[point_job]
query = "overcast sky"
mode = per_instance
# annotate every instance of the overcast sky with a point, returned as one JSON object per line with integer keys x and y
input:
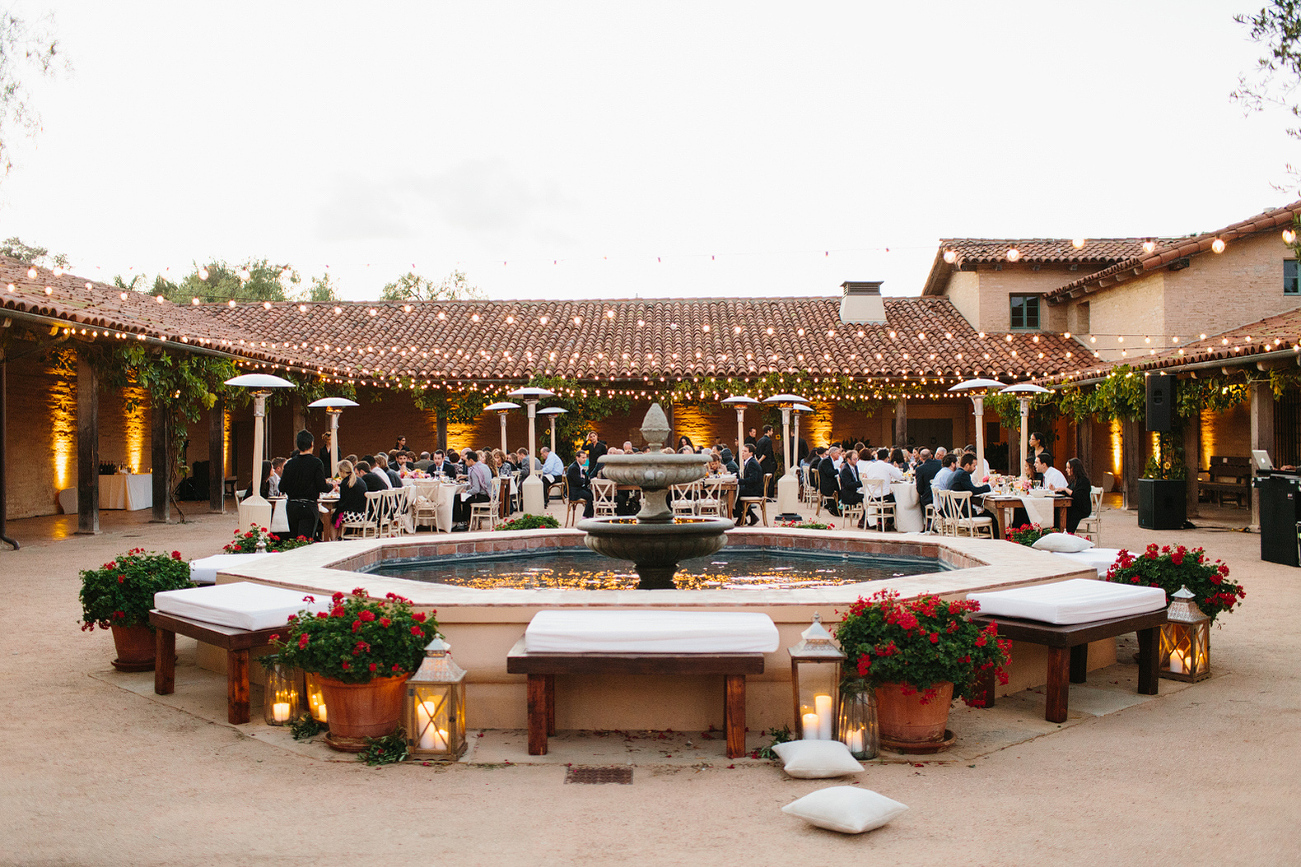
{"x": 614, "y": 149}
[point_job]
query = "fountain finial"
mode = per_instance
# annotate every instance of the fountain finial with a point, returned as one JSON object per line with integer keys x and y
{"x": 655, "y": 428}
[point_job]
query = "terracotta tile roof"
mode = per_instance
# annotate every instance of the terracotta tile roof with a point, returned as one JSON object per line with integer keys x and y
{"x": 1171, "y": 250}
{"x": 646, "y": 339}
{"x": 73, "y": 301}
{"x": 1096, "y": 253}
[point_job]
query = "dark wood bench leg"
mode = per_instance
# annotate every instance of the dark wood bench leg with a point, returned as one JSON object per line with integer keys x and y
{"x": 985, "y": 687}
{"x": 734, "y": 715}
{"x": 237, "y": 686}
{"x": 1059, "y": 690}
{"x": 1079, "y": 663}
{"x": 164, "y": 661}
{"x": 1147, "y": 661}
{"x": 537, "y": 689}
{"x": 551, "y": 703}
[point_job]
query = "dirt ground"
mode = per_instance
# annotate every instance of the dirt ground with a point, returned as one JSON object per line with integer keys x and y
{"x": 91, "y": 773}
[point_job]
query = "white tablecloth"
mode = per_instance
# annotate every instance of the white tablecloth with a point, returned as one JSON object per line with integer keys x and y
{"x": 907, "y": 510}
{"x": 279, "y": 515}
{"x": 442, "y": 495}
{"x": 132, "y": 492}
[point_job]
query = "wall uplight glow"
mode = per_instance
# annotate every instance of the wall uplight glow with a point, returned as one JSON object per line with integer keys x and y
{"x": 63, "y": 428}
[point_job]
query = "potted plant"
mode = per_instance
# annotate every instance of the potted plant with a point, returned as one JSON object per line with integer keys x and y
{"x": 119, "y": 595}
{"x": 1028, "y": 534}
{"x": 362, "y": 651}
{"x": 1162, "y": 492}
{"x": 247, "y": 542}
{"x": 917, "y": 654}
{"x": 1171, "y": 569}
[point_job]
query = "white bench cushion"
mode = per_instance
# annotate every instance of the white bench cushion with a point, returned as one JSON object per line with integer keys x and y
{"x": 1080, "y": 600}
{"x": 205, "y": 571}
{"x": 1099, "y": 558}
{"x": 242, "y": 605}
{"x": 654, "y": 631}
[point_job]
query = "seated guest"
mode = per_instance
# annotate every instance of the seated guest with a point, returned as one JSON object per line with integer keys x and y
{"x": 374, "y": 481}
{"x": 884, "y": 469}
{"x": 382, "y": 468}
{"x": 729, "y": 463}
{"x": 552, "y": 470}
{"x": 927, "y": 467}
{"x": 828, "y": 470}
{"x": 1053, "y": 478}
{"x": 749, "y": 484}
{"x": 478, "y": 491}
{"x": 266, "y": 482}
{"x": 352, "y": 500}
{"x": 962, "y": 481}
{"x": 424, "y": 463}
{"x": 982, "y": 466}
{"x": 948, "y": 465}
{"x": 523, "y": 463}
{"x": 577, "y": 480}
{"x": 1081, "y": 494}
{"x": 851, "y": 485}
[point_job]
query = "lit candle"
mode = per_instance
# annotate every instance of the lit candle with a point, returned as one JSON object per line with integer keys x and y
{"x": 855, "y": 741}
{"x": 321, "y": 715}
{"x": 431, "y": 737}
{"x": 1176, "y": 663}
{"x": 822, "y": 705}
{"x": 280, "y": 710}
{"x": 810, "y": 727}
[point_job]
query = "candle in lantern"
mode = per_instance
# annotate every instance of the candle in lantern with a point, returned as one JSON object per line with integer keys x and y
{"x": 280, "y": 711}
{"x": 810, "y": 727}
{"x": 1176, "y": 663}
{"x": 321, "y": 715}
{"x": 431, "y": 737}
{"x": 822, "y": 706}
{"x": 855, "y": 741}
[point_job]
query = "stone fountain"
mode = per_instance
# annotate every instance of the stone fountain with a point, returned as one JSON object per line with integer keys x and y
{"x": 655, "y": 541}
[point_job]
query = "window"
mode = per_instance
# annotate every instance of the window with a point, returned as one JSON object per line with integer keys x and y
{"x": 1025, "y": 312}
{"x": 1291, "y": 286}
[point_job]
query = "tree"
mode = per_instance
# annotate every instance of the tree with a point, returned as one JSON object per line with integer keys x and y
{"x": 1277, "y": 27}
{"x": 24, "y": 47}
{"x": 322, "y": 289}
{"x": 412, "y": 287}
{"x": 14, "y": 248}
{"x": 255, "y": 280}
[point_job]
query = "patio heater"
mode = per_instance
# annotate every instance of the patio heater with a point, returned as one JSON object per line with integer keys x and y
{"x": 533, "y": 484}
{"x": 975, "y": 389}
{"x": 1025, "y": 392}
{"x": 553, "y": 412}
{"x": 254, "y": 509}
{"x": 333, "y": 406}
{"x": 501, "y": 408}
{"x": 788, "y": 488}
{"x": 740, "y": 401}
{"x": 799, "y": 409}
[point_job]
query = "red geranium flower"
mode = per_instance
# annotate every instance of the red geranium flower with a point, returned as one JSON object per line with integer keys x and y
{"x": 367, "y": 616}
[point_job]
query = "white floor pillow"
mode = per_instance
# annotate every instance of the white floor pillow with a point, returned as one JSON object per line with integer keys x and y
{"x": 817, "y": 760}
{"x": 1062, "y": 543}
{"x": 845, "y": 809}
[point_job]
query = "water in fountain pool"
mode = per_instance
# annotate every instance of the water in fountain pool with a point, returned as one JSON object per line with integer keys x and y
{"x": 731, "y": 570}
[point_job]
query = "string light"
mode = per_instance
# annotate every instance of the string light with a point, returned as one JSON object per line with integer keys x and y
{"x": 1218, "y": 245}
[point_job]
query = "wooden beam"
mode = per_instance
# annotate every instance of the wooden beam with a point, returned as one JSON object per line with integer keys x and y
{"x": 87, "y": 447}
{"x": 159, "y": 434}
{"x": 217, "y": 457}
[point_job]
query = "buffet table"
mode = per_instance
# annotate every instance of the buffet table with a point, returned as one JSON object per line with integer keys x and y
{"x": 129, "y": 491}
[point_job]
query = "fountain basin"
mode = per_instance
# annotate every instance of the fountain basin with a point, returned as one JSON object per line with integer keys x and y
{"x": 655, "y": 548}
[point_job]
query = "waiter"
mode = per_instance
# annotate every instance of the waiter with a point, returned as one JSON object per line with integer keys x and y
{"x": 302, "y": 481}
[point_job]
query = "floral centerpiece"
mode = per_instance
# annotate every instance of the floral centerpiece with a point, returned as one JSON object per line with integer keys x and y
{"x": 919, "y": 652}
{"x": 247, "y": 542}
{"x": 1167, "y": 568}
{"x": 119, "y": 596}
{"x": 363, "y": 650}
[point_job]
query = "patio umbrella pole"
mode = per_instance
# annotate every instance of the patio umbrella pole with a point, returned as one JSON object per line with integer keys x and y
{"x": 4, "y": 427}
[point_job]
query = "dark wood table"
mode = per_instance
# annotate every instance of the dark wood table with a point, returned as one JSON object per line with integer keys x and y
{"x": 1002, "y": 507}
{"x": 543, "y": 668}
{"x": 236, "y": 642}
{"x": 1068, "y": 652}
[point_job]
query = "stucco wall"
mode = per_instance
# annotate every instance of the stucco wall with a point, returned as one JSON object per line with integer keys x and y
{"x": 1218, "y": 292}
{"x": 1134, "y": 309}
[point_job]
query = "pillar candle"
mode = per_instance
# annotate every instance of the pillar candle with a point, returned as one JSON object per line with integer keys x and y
{"x": 810, "y": 727}
{"x": 855, "y": 741}
{"x": 1176, "y": 663}
{"x": 431, "y": 737}
{"x": 822, "y": 705}
{"x": 320, "y": 712}
{"x": 280, "y": 710}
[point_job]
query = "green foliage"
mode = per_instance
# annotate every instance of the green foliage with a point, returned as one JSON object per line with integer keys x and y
{"x": 1168, "y": 462}
{"x": 1276, "y": 27}
{"x": 246, "y": 542}
{"x": 1074, "y": 402}
{"x": 386, "y": 750}
{"x": 1170, "y": 569}
{"x": 412, "y": 287}
{"x": 322, "y": 289}
{"x": 920, "y": 643}
{"x": 779, "y": 736}
{"x": 1214, "y": 394}
{"x": 1027, "y": 534}
{"x": 121, "y": 592}
{"x": 358, "y": 640}
{"x": 30, "y": 254}
{"x": 530, "y": 522}
{"x": 1280, "y": 382}
{"x": 585, "y": 408}
{"x": 1121, "y": 395}
{"x": 804, "y": 525}
{"x": 254, "y": 280}
{"x": 306, "y": 727}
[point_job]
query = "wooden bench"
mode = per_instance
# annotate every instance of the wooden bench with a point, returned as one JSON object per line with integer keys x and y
{"x": 543, "y": 668}
{"x": 1228, "y": 476}
{"x": 236, "y": 642}
{"x": 1068, "y": 652}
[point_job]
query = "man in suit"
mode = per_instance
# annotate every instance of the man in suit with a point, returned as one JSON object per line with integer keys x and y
{"x": 851, "y": 485}
{"x": 961, "y": 481}
{"x": 763, "y": 451}
{"x": 828, "y": 469}
{"x": 750, "y": 484}
{"x": 925, "y": 472}
{"x": 424, "y": 463}
{"x": 576, "y": 476}
{"x": 373, "y": 480}
{"x": 750, "y": 438}
{"x": 596, "y": 449}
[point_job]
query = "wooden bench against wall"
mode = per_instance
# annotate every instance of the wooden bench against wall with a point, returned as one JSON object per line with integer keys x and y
{"x": 1227, "y": 476}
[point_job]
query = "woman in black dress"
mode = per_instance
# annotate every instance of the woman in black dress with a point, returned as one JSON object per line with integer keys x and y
{"x": 352, "y": 499}
{"x": 1081, "y": 494}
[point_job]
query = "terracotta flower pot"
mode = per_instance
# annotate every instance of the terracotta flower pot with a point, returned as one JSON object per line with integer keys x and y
{"x": 905, "y": 720}
{"x": 135, "y": 648}
{"x": 362, "y": 710}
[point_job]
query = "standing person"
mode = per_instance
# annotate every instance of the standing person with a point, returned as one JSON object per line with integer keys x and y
{"x": 750, "y": 438}
{"x": 1081, "y": 494}
{"x": 577, "y": 478}
{"x": 926, "y": 471}
{"x": 552, "y": 469}
{"x": 401, "y": 444}
{"x": 324, "y": 453}
{"x": 685, "y": 440}
{"x": 596, "y": 449}
{"x": 750, "y": 484}
{"x": 302, "y": 482}
{"x": 764, "y": 452}
{"x": 478, "y": 491}
{"x": 1036, "y": 442}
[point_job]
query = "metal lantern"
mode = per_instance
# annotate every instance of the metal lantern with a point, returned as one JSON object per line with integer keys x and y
{"x": 1185, "y": 640}
{"x": 435, "y": 708}
{"x": 856, "y": 725}
{"x": 280, "y": 706}
{"x": 316, "y": 699}
{"x": 815, "y": 682}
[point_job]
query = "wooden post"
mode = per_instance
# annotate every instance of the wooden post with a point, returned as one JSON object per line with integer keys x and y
{"x": 217, "y": 457}
{"x": 159, "y": 435}
{"x": 1192, "y": 462}
{"x": 1131, "y": 460}
{"x": 1084, "y": 448}
{"x": 87, "y": 447}
{"x": 4, "y": 429}
{"x": 901, "y": 422}
{"x": 1262, "y": 436}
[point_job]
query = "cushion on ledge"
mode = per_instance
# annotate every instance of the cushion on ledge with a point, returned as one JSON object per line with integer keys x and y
{"x": 204, "y": 571}
{"x": 1062, "y": 543}
{"x": 1099, "y": 558}
{"x": 816, "y": 760}
{"x": 242, "y": 605}
{"x": 653, "y": 631}
{"x": 1080, "y": 600}
{"x": 845, "y": 809}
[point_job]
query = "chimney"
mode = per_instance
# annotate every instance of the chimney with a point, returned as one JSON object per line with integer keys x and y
{"x": 862, "y": 303}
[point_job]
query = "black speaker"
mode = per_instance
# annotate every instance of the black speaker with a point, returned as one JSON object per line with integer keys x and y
{"x": 1160, "y": 403}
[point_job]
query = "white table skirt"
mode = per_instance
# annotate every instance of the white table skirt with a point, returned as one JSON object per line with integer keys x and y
{"x": 279, "y": 514}
{"x": 132, "y": 492}
{"x": 907, "y": 509}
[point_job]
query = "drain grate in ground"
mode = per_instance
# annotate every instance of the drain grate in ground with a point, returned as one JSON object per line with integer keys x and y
{"x": 621, "y": 775}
